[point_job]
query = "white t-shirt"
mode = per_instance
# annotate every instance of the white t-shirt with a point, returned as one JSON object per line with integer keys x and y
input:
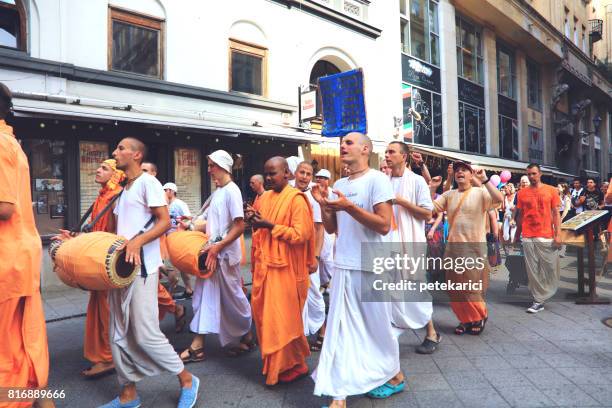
{"x": 133, "y": 211}
{"x": 225, "y": 207}
{"x": 316, "y": 208}
{"x": 177, "y": 208}
{"x": 419, "y": 195}
{"x": 366, "y": 191}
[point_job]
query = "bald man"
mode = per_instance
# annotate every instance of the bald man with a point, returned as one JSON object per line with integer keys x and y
{"x": 138, "y": 346}
{"x": 360, "y": 353}
{"x": 257, "y": 185}
{"x": 284, "y": 252}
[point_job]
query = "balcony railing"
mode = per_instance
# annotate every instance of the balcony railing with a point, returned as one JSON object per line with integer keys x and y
{"x": 596, "y": 30}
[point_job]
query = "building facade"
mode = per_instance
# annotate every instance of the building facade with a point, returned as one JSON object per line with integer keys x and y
{"x": 512, "y": 79}
{"x": 186, "y": 77}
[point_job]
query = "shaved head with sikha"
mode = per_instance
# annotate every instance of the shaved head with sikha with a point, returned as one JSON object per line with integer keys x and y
{"x": 276, "y": 173}
{"x": 355, "y": 150}
{"x": 137, "y": 146}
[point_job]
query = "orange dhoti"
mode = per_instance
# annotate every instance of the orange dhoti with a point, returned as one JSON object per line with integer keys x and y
{"x": 469, "y": 305}
{"x": 280, "y": 281}
{"x": 164, "y": 301}
{"x": 97, "y": 343}
{"x": 24, "y": 357}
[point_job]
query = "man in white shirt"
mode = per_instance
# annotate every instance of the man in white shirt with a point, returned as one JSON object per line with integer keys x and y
{"x": 313, "y": 313}
{"x": 139, "y": 347}
{"x": 220, "y": 305}
{"x": 326, "y": 261}
{"x": 176, "y": 207}
{"x": 360, "y": 353}
{"x": 412, "y": 207}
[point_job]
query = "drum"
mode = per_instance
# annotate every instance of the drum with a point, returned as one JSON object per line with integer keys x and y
{"x": 92, "y": 261}
{"x": 184, "y": 249}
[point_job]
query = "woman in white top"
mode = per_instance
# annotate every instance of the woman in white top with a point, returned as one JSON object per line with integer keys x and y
{"x": 509, "y": 226}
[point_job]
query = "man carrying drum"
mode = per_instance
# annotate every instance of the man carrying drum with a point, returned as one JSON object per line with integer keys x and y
{"x": 219, "y": 304}
{"x": 139, "y": 347}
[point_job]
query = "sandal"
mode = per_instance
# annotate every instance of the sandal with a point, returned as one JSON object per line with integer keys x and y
{"x": 86, "y": 373}
{"x": 244, "y": 347}
{"x": 386, "y": 390}
{"x": 317, "y": 345}
{"x": 476, "y": 328}
{"x": 181, "y": 320}
{"x": 193, "y": 356}
{"x": 462, "y": 328}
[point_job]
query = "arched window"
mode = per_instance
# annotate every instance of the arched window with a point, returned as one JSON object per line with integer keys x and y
{"x": 320, "y": 69}
{"x": 12, "y": 24}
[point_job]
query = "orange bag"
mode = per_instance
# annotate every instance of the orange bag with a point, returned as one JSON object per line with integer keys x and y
{"x": 92, "y": 262}
{"x": 184, "y": 249}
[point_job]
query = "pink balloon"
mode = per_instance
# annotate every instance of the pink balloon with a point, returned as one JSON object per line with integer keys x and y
{"x": 505, "y": 176}
{"x": 494, "y": 180}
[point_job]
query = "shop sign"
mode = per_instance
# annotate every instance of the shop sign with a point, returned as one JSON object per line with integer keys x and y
{"x": 421, "y": 74}
{"x": 471, "y": 93}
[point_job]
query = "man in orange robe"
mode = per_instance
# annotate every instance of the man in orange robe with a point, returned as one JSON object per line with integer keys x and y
{"x": 24, "y": 355}
{"x": 96, "y": 343}
{"x": 284, "y": 250}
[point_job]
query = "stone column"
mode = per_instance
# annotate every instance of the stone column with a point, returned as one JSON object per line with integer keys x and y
{"x": 490, "y": 89}
{"x": 448, "y": 72}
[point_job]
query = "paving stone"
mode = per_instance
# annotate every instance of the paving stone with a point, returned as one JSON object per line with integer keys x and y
{"x": 601, "y": 393}
{"x": 570, "y": 395}
{"x": 446, "y": 399}
{"x": 545, "y": 377}
{"x": 526, "y": 361}
{"x": 482, "y": 398}
{"x": 449, "y": 364}
{"x": 584, "y": 375}
{"x": 505, "y": 378}
{"x": 427, "y": 382}
{"x": 491, "y": 362}
{"x": 524, "y": 397}
{"x": 466, "y": 380}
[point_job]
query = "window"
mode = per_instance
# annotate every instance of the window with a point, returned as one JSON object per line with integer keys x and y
{"x": 47, "y": 160}
{"x": 576, "y": 33}
{"x": 506, "y": 74}
{"x": 12, "y": 24}
{"x": 566, "y": 24}
{"x": 188, "y": 176}
{"x": 91, "y": 154}
{"x": 584, "y": 41}
{"x": 536, "y": 145}
{"x": 135, "y": 43}
{"x": 248, "y": 68}
{"x": 508, "y": 134}
{"x": 428, "y": 105}
{"x": 470, "y": 63}
{"x": 534, "y": 86}
{"x": 420, "y": 29}
{"x": 472, "y": 137}
{"x": 320, "y": 69}
{"x": 596, "y": 160}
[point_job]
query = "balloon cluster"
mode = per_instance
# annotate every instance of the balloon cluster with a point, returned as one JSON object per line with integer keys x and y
{"x": 501, "y": 180}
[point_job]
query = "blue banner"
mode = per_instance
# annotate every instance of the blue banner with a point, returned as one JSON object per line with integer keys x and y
{"x": 343, "y": 103}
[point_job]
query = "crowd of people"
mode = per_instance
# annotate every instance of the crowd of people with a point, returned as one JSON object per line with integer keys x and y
{"x": 307, "y": 237}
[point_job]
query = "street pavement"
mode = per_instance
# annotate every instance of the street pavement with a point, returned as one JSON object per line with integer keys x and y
{"x": 559, "y": 357}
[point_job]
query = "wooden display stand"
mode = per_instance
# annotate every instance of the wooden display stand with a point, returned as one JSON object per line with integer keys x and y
{"x": 585, "y": 223}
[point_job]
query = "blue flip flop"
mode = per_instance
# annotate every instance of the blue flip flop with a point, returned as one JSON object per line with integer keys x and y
{"x": 386, "y": 390}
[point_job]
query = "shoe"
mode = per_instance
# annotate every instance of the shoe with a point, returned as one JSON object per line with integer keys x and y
{"x": 386, "y": 390}
{"x": 189, "y": 396}
{"x": 429, "y": 346}
{"x": 535, "y": 308}
{"x": 116, "y": 403}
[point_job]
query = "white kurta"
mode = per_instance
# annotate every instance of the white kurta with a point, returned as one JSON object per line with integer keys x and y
{"x": 360, "y": 351}
{"x": 411, "y": 314}
{"x": 313, "y": 314}
{"x": 219, "y": 303}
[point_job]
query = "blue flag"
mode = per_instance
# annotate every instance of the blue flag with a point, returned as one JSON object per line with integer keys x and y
{"x": 343, "y": 103}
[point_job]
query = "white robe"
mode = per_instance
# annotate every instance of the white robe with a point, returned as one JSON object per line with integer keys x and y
{"x": 411, "y": 239}
{"x": 313, "y": 314}
{"x": 360, "y": 351}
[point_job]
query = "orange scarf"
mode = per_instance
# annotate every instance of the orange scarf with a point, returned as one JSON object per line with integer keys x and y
{"x": 110, "y": 190}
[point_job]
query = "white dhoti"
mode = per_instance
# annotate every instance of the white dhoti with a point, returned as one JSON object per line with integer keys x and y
{"x": 139, "y": 347}
{"x": 543, "y": 269}
{"x": 326, "y": 268}
{"x": 360, "y": 351}
{"x": 313, "y": 314}
{"x": 410, "y": 315}
{"x": 220, "y": 305}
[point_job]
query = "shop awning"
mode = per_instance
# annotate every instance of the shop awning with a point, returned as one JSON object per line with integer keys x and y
{"x": 46, "y": 109}
{"x": 485, "y": 162}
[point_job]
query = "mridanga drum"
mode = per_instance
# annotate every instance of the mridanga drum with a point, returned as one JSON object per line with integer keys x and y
{"x": 184, "y": 249}
{"x": 93, "y": 261}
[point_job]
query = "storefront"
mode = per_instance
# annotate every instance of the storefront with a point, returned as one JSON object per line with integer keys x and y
{"x": 506, "y": 102}
{"x": 422, "y": 102}
{"x": 64, "y": 150}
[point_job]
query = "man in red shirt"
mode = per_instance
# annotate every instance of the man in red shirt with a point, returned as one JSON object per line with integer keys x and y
{"x": 539, "y": 223}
